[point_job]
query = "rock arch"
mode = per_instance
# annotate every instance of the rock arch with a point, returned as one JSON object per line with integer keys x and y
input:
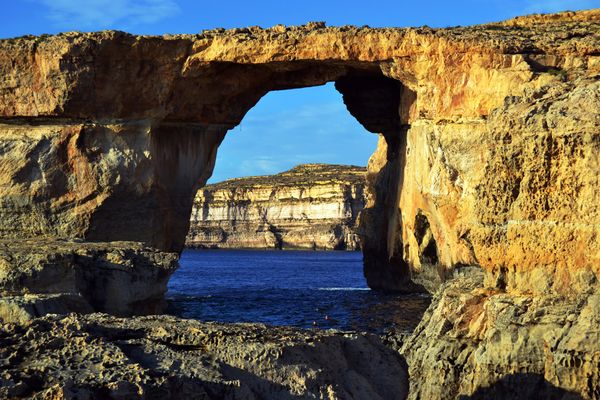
{"x": 184, "y": 152}
{"x": 106, "y": 136}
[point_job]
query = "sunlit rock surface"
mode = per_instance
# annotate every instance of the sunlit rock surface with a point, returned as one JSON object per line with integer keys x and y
{"x": 312, "y": 206}
{"x": 487, "y": 166}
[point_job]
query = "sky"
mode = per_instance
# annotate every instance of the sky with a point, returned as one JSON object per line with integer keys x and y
{"x": 287, "y": 127}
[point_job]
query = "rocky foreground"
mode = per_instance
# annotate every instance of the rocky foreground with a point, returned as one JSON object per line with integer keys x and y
{"x": 488, "y": 344}
{"x": 471, "y": 344}
{"x": 312, "y": 206}
{"x": 98, "y": 356}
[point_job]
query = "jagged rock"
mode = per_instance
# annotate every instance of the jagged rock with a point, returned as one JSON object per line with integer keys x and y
{"x": 98, "y": 356}
{"x": 312, "y": 206}
{"x": 484, "y": 344}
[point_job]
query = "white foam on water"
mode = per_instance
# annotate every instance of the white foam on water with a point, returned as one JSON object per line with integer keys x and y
{"x": 342, "y": 288}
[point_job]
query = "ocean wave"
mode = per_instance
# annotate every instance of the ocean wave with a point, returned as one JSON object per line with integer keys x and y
{"x": 342, "y": 288}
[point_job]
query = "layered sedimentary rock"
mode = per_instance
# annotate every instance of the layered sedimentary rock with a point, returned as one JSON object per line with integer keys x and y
{"x": 312, "y": 206}
{"x": 487, "y": 166}
{"x": 58, "y": 277}
{"x": 164, "y": 357}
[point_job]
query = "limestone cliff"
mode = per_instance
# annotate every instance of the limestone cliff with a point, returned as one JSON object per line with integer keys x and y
{"x": 312, "y": 206}
{"x": 487, "y": 168}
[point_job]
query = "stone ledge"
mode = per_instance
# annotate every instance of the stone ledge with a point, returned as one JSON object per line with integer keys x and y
{"x": 22, "y": 309}
{"x": 121, "y": 278}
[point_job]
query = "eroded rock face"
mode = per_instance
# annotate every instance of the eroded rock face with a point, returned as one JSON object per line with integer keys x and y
{"x": 489, "y": 138}
{"x": 485, "y": 344}
{"x": 160, "y": 356}
{"x": 39, "y": 277}
{"x": 312, "y": 206}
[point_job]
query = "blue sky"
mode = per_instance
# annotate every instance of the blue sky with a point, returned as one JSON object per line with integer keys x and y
{"x": 291, "y": 127}
{"x": 284, "y": 128}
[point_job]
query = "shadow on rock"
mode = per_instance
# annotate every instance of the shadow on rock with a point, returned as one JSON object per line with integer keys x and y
{"x": 522, "y": 386}
{"x": 361, "y": 365}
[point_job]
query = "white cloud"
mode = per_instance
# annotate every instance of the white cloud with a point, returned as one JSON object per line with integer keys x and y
{"x": 261, "y": 165}
{"x": 102, "y": 14}
{"x": 551, "y": 6}
{"x": 331, "y": 117}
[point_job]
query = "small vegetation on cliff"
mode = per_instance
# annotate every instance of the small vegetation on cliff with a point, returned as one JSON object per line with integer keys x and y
{"x": 300, "y": 175}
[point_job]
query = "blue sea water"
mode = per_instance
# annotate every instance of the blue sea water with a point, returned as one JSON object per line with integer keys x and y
{"x": 295, "y": 288}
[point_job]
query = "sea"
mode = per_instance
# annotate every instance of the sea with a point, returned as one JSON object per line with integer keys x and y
{"x": 306, "y": 289}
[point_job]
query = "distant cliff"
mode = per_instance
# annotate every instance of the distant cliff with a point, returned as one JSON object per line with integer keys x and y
{"x": 312, "y": 206}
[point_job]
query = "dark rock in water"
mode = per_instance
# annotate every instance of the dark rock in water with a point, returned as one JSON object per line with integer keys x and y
{"x": 99, "y": 356}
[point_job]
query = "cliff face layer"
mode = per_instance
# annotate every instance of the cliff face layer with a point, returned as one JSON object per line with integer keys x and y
{"x": 312, "y": 206}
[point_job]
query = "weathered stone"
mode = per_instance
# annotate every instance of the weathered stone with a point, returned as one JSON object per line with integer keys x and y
{"x": 514, "y": 193}
{"x": 124, "y": 278}
{"x": 98, "y": 356}
{"x": 312, "y": 206}
{"x": 486, "y": 344}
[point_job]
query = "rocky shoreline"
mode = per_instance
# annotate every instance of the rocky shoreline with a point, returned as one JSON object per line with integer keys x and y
{"x": 471, "y": 344}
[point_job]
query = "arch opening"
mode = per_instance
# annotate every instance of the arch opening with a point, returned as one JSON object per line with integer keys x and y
{"x": 374, "y": 101}
{"x": 382, "y": 105}
{"x": 184, "y": 140}
{"x": 290, "y": 176}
